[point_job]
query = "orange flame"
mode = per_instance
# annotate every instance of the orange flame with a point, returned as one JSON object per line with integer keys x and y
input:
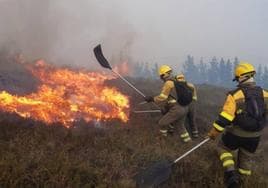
{"x": 123, "y": 68}
{"x": 66, "y": 96}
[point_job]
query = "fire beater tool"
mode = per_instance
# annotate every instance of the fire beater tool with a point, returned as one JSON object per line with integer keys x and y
{"x": 142, "y": 103}
{"x": 104, "y": 63}
{"x": 146, "y": 111}
{"x": 159, "y": 172}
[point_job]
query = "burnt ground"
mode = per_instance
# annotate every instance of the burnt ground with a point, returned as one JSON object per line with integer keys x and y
{"x": 33, "y": 154}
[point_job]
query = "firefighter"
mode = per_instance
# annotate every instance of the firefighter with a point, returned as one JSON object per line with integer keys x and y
{"x": 241, "y": 121}
{"x": 174, "y": 114}
{"x": 192, "y": 107}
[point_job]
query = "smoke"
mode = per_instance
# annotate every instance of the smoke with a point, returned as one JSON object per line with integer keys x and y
{"x": 28, "y": 26}
{"x": 65, "y": 32}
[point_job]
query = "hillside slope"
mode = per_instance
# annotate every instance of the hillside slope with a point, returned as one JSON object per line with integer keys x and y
{"x": 36, "y": 155}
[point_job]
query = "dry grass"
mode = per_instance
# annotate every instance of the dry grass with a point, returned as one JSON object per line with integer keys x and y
{"x": 37, "y": 155}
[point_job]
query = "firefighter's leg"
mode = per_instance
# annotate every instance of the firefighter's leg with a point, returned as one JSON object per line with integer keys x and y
{"x": 227, "y": 144}
{"x": 165, "y": 123}
{"x": 191, "y": 117}
{"x": 227, "y": 159}
{"x": 244, "y": 165}
{"x": 163, "y": 126}
{"x": 181, "y": 113}
{"x": 184, "y": 135}
{"x": 245, "y": 157}
{"x": 162, "y": 122}
{"x": 168, "y": 121}
{"x": 244, "y": 162}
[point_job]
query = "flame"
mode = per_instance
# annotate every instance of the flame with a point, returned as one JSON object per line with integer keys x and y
{"x": 123, "y": 68}
{"x": 66, "y": 96}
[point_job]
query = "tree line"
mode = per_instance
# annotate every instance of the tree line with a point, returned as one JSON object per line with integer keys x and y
{"x": 216, "y": 71}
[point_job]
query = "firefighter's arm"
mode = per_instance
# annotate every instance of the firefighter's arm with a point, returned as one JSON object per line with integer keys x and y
{"x": 194, "y": 90}
{"x": 227, "y": 115}
{"x": 165, "y": 92}
{"x": 265, "y": 95}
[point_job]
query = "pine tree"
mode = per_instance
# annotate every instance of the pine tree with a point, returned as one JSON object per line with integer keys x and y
{"x": 138, "y": 69}
{"x": 265, "y": 77}
{"x": 213, "y": 76}
{"x": 229, "y": 74}
{"x": 190, "y": 69}
{"x": 146, "y": 71}
{"x": 203, "y": 72}
{"x": 155, "y": 71}
{"x": 259, "y": 75}
{"x": 236, "y": 62}
{"x": 222, "y": 72}
{"x": 225, "y": 73}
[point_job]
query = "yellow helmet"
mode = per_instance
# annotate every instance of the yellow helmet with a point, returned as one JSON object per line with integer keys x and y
{"x": 180, "y": 77}
{"x": 244, "y": 69}
{"x": 164, "y": 69}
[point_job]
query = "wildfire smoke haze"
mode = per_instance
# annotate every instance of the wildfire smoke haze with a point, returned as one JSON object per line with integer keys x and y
{"x": 66, "y": 95}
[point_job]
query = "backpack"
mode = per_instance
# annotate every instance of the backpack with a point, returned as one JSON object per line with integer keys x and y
{"x": 184, "y": 93}
{"x": 253, "y": 117}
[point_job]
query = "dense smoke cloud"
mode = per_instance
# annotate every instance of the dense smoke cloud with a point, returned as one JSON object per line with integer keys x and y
{"x": 29, "y": 26}
{"x": 65, "y": 31}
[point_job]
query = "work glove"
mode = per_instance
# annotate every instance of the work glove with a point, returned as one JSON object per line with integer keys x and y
{"x": 213, "y": 133}
{"x": 149, "y": 99}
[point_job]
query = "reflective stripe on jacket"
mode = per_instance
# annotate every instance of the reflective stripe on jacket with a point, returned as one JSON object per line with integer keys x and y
{"x": 232, "y": 103}
{"x": 168, "y": 89}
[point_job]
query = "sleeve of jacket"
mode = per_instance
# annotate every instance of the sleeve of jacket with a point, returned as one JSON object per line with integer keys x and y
{"x": 165, "y": 92}
{"x": 265, "y": 95}
{"x": 193, "y": 89}
{"x": 227, "y": 115}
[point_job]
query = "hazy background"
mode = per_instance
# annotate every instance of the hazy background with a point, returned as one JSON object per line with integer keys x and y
{"x": 163, "y": 31}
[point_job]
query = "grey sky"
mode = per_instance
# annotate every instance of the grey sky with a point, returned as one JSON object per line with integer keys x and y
{"x": 165, "y": 31}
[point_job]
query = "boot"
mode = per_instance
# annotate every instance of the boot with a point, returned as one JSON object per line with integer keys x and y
{"x": 170, "y": 129}
{"x": 231, "y": 179}
{"x": 185, "y": 137}
{"x": 163, "y": 132}
{"x": 195, "y": 134}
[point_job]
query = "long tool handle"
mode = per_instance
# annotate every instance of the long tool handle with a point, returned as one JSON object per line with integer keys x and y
{"x": 138, "y": 91}
{"x": 191, "y": 150}
{"x": 142, "y": 103}
{"x": 147, "y": 111}
{"x": 104, "y": 63}
{"x": 132, "y": 86}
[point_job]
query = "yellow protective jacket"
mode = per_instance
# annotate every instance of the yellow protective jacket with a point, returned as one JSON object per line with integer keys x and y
{"x": 235, "y": 99}
{"x": 190, "y": 85}
{"x": 168, "y": 92}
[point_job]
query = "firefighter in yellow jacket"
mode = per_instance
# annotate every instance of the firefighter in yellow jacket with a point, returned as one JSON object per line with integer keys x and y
{"x": 173, "y": 113}
{"x": 192, "y": 106}
{"x": 242, "y": 119}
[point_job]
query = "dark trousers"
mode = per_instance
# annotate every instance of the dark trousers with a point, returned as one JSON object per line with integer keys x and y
{"x": 191, "y": 117}
{"x": 175, "y": 115}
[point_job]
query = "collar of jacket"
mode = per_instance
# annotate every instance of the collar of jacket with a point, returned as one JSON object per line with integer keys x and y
{"x": 170, "y": 77}
{"x": 247, "y": 84}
